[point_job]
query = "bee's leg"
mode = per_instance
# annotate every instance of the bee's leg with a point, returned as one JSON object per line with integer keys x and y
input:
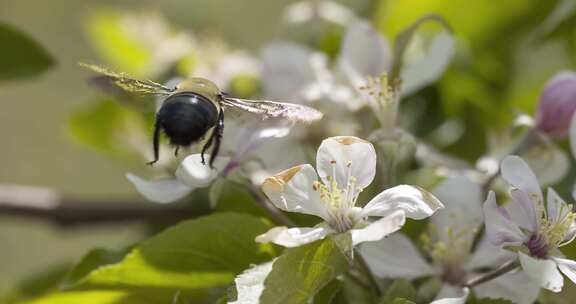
{"x": 218, "y": 132}
{"x": 156, "y": 142}
{"x": 176, "y": 151}
{"x": 207, "y": 145}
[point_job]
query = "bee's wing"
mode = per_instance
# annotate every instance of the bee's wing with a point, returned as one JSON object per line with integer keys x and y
{"x": 268, "y": 109}
{"x": 114, "y": 82}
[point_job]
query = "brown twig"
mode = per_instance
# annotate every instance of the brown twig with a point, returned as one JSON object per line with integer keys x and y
{"x": 46, "y": 204}
{"x": 504, "y": 269}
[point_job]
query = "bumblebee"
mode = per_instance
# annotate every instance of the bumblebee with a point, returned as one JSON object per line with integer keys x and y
{"x": 195, "y": 107}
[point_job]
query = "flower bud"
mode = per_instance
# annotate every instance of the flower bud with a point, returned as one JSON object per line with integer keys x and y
{"x": 557, "y": 105}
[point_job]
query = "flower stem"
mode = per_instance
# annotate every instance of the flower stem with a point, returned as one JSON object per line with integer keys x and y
{"x": 363, "y": 267}
{"x": 483, "y": 278}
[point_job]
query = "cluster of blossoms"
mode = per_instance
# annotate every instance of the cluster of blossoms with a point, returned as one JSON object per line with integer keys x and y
{"x": 472, "y": 246}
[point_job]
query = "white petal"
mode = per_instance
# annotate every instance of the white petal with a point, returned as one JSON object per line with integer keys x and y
{"x": 253, "y": 135}
{"x": 550, "y": 163}
{"x": 500, "y": 230}
{"x": 286, "y": 70}
{"x": 428, "y": 68}
{"x": 342, "y": 157}
{"x": 250, "y": 283}
{"x": 488, "y": 255}
{"x": 556, "y": 206}
{"x": 293, "y": 190}
{"x": 364, "y": 52}
{"x": 298, "y": 12}
{"x": 518, "y": 174}
{"x": 516, "y": 287}
{"x": 160, "y": 191}
{"x": 416, "y": 202}
{"x": 451, "y": 295}
{"x": 195, "y": 174}
{"x": 522, "y": 210}
{"x": 335, "y": 12}
{"x": 395, "y": 257}
{"x": 462, "y": 200}
{"x": 568, "y": 268}
{"x": 379, "y": 229}
{"x": 543, "y": 271}
{"x": 293, "y": 237}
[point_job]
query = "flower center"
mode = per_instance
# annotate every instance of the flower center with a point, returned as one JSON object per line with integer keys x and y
{"x": 341, "y": 202}
{"x": 383, "y": 96}
{"x": 552, "y": 233}
{"x": 453, "y": 274}
{"x": 451, "y": 253}
{"x": 538, "y": 246}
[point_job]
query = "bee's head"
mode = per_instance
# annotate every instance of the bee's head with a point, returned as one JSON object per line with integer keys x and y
{"x": 200, "y": 86}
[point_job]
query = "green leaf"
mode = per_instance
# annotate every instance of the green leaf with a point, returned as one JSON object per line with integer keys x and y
{"x": 401, "y": 290}
{"x": 122, "y": 297}
{"x": 355, "y": 293}
{"x": 301, "y": 272}
{"x": 21, "y": 56}
{"x": 229, "y": 196}
{"x": 110, "y": 128}
{"x": 109, "y": 35}
{"x": 428, "y": 290}
{"x": 327, "y": 294}
{"x": 93, "y": 260}
{"x": 201, "y": 253}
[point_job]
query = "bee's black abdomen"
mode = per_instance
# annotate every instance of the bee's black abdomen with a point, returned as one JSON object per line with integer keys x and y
{"x": 186, "y": 117}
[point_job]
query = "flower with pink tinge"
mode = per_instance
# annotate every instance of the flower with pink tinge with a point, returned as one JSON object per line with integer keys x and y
{"x": 534, "y": 230}
{"x": 557, "y": 105}
{"x": 449, "y": 252}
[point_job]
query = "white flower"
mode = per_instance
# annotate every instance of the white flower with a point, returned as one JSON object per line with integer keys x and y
{"x": 534, "y": 230}
{"x": 346, "y": 165}
{"x": 366, "y": 54}
{"x": 305, "y": 11}
{"x": 292, "y": 72}
{"x": 225, "y": 65}
{"x": 193, "y": 174}
{"x": 250, "y": 283}
{"x": 449, "y": 246}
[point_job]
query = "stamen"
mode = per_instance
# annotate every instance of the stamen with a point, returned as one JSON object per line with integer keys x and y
{"x": 552, "y": 233}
